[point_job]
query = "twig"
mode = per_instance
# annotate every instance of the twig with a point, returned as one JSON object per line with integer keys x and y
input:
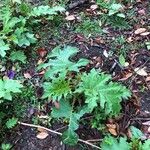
{"x": 140, "y": 119}
{"x": 94, "y": 140}
{"x": 38, "y": 126}
{"x": 55, "y": 132}
{"x": 61, "y": 128}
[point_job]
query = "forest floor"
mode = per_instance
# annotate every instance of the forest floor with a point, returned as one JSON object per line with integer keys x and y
{"x": 118, "y": 47}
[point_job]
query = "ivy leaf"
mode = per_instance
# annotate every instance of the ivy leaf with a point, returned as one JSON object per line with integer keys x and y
{"x": 56, "y": 89}
{"x": 111, "y": 143}
{"x": 65, "y": 111}
{"x": 18, "y": 55}
{"x": 100, "y": 90}
{"x": 60, "y": 62}
{"x": 3, "y": 48}
{"x": 11, "y": 122}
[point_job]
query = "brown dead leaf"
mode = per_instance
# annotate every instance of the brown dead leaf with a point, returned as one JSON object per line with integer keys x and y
{"x": 42, "y": 135}
{"x": 142, "y": 12}
{"x": 40, "y": 61}
{"x": 94, "y": 7}
{"x": 43, "y": 117}
{"x": 105, "y": 53}
{"x": 126, "y": 76}
{"x": 145, "y": 33}
{"x": 112, "y": 129}
{"x": 141, "y": 71}
{"x": 41, "y": 129}
{"x": 27, "y": 75}
{"x": 42, "y": 72}
{"x": 37, "y": 36}
{"x": 130, "y": 39}
{"x": 148, "y": 79}
{"x": 139, "y": 30}
{"x": 148, "y": 129}
{"x": 42, "y": 52}
{"x": 147, "y": 123}
{"x": 70, "y": 18}
{"x": 129, "y": 134}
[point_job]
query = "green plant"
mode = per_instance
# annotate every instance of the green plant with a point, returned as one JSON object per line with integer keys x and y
{"x": 114, "y": 14}
{"x": 148, "y": 45}
{"x": 17, "y": 22}
{"x": 112, "y": 6}
{"x": 11, "y": 122}
{"x": 89, "y": 27}
{"x": 98, "y": 119}
{"x": 67, "y": 86}
{"x": 111, "y": 143}
{"x": 7, "y": 87}
{"x": 6, "y": 146}
{"x": 18, "y": 56}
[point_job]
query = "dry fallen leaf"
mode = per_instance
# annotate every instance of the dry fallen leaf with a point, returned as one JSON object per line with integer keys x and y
{"x": 42, "y": 52}
{"x": 126, "y": 77}
{"x": 42, "y": 135}
{"x": 27, "y": 75}
{"x": 43, "y": 117}
{"x": 139, "y": 30}
{"x": 70, "y": 18}
{"x": 112, "y": 129}
{"x": 129, "y": 134}
{"x": 130, "y": 39}
{"x": 41, "y": 129}
{"x": 141, "y": 12}
{"x": 42, "y": 72}
{"x": 147, "y": 123}
{"x": 40, "y": 61}
{"x": 145, "y": 33}
{"x": 148, "y": 79}
{"x": 141, "y": 71}
{"x": 94, "y": 7}
{"x": 105, "y": 53}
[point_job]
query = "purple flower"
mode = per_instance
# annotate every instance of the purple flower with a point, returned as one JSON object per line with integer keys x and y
{"x": 11, "y": 74}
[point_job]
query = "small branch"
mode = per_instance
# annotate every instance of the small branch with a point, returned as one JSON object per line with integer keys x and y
{"x": 140, "y": 119}
{"x": 61, "y": 128}
{"x": 55, "y": 132}
{"x": 95, "y": 140}
{"x": 38, "y": 126}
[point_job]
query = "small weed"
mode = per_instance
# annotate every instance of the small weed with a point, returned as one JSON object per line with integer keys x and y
{"x": 89, "y": 27}
{"x": 66, "y": 90}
